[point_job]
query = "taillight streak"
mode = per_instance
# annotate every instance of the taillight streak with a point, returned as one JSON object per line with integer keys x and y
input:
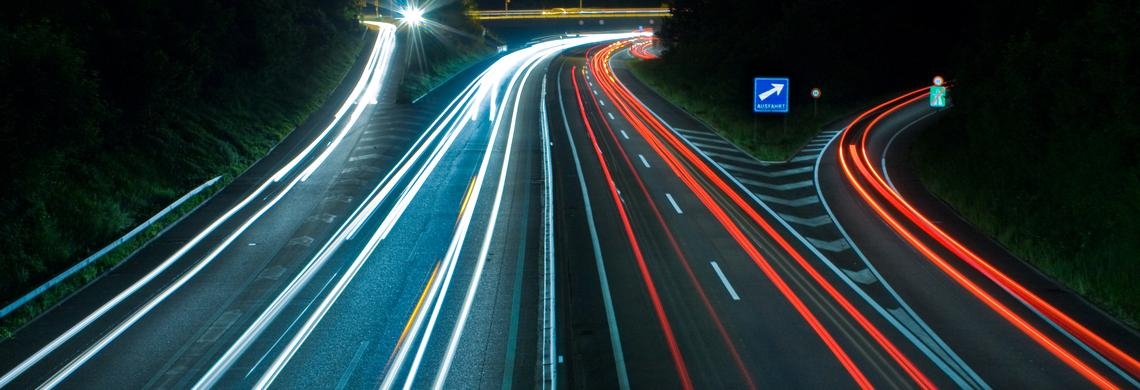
{"x": 614, "y": 90}
{"x": 658, "y": 308}
{"x": 606, "y": 77}
{"x": 860, "y": 158}
{"x": 684, "y": 261}
{"x": 1098, "y": 343}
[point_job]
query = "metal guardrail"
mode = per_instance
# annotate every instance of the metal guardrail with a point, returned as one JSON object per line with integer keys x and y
{"x": 569, "y": 13}
{"x": 91, "y": 259}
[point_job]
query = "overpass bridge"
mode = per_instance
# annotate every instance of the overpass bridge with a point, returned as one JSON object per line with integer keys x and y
{"x": 570, "y": 13}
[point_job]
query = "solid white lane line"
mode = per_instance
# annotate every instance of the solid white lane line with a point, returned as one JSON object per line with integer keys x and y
{"x": 352, "y": 364}
{"x": 886, "y": 149}
{"x": 674, "y": 203}
{"x": 136, "y": 315}
{"x": 914, "y": 339}
{"x": 611, "y": 115}
{"x": 724, "y": 280}
{"x": 522, "y": 69}
{"x": 623, "y": 134}
{"x": 452, "y": 255}
{"x": 603, "y": 280}
{"x": 643, "y": 161}
{"x": 473, "y": 285}
{"x": 363, "y": 212}
{"x": 549, "y": 296}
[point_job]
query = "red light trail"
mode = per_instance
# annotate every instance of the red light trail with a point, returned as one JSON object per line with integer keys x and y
{"x": 854, "y": 153}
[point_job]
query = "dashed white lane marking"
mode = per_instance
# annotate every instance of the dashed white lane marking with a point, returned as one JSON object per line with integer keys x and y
{"x": 643, "y": 161}
{"x": 623, "y": 134}
{"x": 724, "y": 280}
{"x": 602, "y": 102}
{"x": 611, "y": 115}
{"x": 674, "y": 203}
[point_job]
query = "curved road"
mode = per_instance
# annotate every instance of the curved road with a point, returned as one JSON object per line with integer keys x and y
{"x": 545, "y": 220}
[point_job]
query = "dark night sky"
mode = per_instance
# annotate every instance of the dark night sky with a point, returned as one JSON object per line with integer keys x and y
{"x": 527, "y": 4}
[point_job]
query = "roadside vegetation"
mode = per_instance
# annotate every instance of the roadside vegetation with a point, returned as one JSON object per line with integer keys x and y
{"x": 1042, "y": 148}
{"x": 113, "y": 110}
{"x": 850, "y": 50}
{"x": 766, "y": 137}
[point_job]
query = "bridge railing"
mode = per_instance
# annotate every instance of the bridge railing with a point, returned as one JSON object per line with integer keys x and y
{"x": 569, "y": 13}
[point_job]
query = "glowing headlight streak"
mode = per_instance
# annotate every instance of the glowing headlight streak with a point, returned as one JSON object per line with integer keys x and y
{"x": 379, "y": 194}
{"x": 385, "y": 34}
{"x": 383, "y": 41}
{"x": 458, "y": 108}
{"x": 519, "y": 62}
{"x": 370, "y": 94}
{"x": 473, "y": 287}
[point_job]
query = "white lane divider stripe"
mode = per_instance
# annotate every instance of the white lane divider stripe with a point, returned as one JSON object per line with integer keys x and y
{"x": 674, "y": 203}
{"x": 623, "y": 134}
{"x": 724, "y": 280}
{"x": 611, "y": 115}
{"x": 643, "y": 161}
{"x": 599, "y": 262}
{"x": 121, "y": 327}
{"x": 473, "y": 285}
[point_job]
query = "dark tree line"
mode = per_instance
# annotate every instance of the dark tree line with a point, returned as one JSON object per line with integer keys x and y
{"x": 849, "y": 48}
{"x": 111, "y": 109}
{"x": 1042, "y": 149}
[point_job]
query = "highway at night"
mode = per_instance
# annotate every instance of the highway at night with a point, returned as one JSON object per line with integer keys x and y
{"x": 545, "y": 218}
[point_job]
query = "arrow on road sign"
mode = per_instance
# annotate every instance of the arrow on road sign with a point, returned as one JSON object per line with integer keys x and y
{"x": 768, "y": 95}
{"x": 776, "y": 89}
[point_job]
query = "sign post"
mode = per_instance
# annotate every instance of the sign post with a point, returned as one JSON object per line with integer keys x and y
{"x": 815, "y": 95}
{"x": 938, "y": 93}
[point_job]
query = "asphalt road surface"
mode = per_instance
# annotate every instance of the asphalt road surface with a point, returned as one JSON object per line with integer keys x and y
{"x": 381, "y": 244}
{"x": 662, "y": 198}
{"x": 545, "y": 220}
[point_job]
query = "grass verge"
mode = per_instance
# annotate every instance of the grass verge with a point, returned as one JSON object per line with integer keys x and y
{"x": 768, "y": 137}
{"x": 418, "y": 83}
{"x": 1070, "y": 233}
{"x": 268, "y": 111}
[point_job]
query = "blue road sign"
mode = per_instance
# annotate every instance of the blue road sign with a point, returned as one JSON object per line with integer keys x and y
{"x": 769, "y": 94}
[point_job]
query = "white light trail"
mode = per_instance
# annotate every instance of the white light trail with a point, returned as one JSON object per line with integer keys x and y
{"x": 59, "y": 376}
